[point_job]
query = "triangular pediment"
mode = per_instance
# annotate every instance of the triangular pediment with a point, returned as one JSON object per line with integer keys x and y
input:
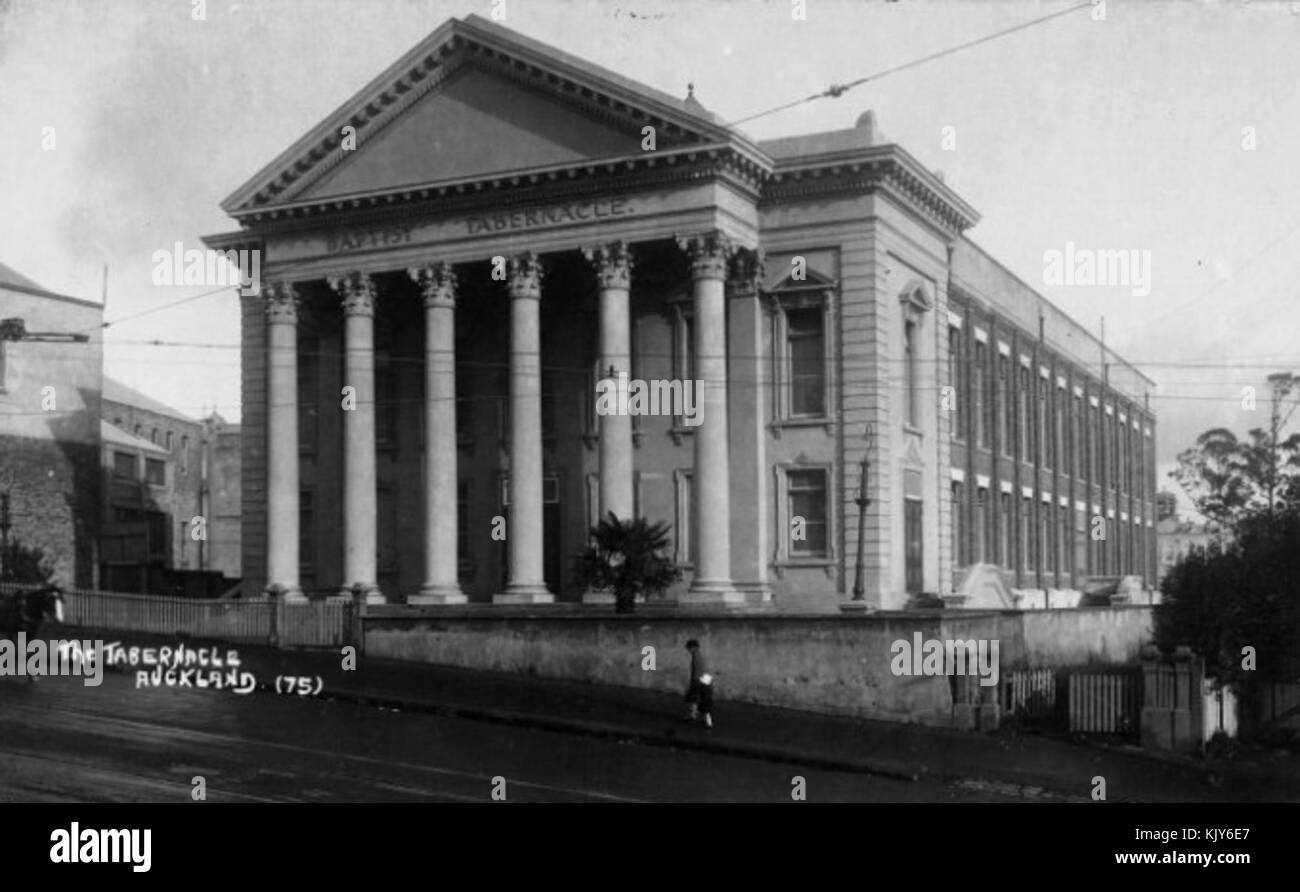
{"x": 472, "y": 100}
{"x": 476, "y": 123}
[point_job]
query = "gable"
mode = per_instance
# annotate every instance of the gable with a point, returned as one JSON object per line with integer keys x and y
{"x": 476, "y": 123}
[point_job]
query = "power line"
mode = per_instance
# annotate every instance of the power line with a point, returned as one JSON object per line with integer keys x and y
{"x": 837, "y": 90}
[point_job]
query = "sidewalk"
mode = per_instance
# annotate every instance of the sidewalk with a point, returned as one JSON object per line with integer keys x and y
{"x": 1021, "y": 765}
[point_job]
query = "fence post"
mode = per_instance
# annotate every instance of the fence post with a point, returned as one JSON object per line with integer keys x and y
{"x": 276, "y": 596}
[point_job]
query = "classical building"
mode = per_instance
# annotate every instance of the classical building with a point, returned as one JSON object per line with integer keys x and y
{"x": 51, "y": 353}
{"x": 459, "y": 260}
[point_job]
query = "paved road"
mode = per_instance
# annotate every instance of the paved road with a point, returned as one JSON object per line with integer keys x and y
{"x": 61, "y": 741}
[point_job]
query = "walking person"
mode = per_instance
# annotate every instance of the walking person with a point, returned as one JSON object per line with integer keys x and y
{"x": 699, "y": 693}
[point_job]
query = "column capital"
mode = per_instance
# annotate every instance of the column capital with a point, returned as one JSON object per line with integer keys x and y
{"x": 708, "y": 253}
{"x": 525, "y": 276}
{"x": 437, "y": 282}
{"x": 358, "y": 292}
{"x": 281, "y": 301}
{"x": 746, "y": 270}
{"x": 613, "y": 264}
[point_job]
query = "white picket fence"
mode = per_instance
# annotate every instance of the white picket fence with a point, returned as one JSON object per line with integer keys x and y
{"x": 254, "y": 621}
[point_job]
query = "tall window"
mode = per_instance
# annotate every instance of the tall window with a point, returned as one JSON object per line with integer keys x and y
{"x": 957, "y": 379}
{"x": 913, "y": 544}
{"x": 981, "y": 524}
{"x": 306, "y": 530}
{"x": 1024, "y": 420}
{"x": 909, "y": 371}
{"x": 124, "y": 465}
{"x": 807, "y": 494}
{"x": 1044, "y": 406}
{"x": 806, "y": 341}
{"x": 169, "y": 441}
{"x": 981, "y": 398}
{"x": 1094, "y": 439}
{"x": 1058, "y": 430}
{"x": 155, "y": 472}
{"x": 1004, "y": 404}
{"x": 1027, "y": 533}
{"x": 1046, "y": 541}
{"x": 1063, "y": 550}
{"x": 185, "y": 454}
{"x": 1073, "y": 438}
{"x": 1004, "y": 530}
{"x": 958, "y": 526}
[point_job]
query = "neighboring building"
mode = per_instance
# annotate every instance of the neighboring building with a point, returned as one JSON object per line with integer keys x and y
{"x": 438, "y": 305}
{"x": 1175, "y": 537}
{"x": 222, "y": 503}
{"x": 49, "y": 425}
{"x": 164, "y": 469}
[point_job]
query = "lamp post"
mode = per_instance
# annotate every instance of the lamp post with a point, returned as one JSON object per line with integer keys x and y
{"x": 863, "y": 500}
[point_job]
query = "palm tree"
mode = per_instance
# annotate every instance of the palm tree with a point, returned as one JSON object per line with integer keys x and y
{"x": 628, "y": 556}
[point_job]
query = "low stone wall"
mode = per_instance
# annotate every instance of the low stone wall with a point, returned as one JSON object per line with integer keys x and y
{"x": 832, "y": 664}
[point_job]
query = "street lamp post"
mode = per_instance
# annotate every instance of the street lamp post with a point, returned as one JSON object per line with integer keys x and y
{"x": 863, "y": 500}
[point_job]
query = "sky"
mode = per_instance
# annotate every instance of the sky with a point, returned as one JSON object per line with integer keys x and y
{"x": 1161, "y": 127}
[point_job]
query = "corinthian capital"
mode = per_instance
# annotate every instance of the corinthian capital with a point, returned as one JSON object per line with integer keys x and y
{"x": 525, "y": 276}
{"x": 747, "y": 268}
{"x": 613, "y": 264}
{"x": 708, "y": 253}
{"x": 437, "y": 281}
{"x": 357, "y": 290}
{"x": 281, "y": 301}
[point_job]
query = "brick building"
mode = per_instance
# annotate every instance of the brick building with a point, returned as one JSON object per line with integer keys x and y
{"x": 162, "y": 470}
{"x": 49, "y": 425}
{"x": 439, "y": 304}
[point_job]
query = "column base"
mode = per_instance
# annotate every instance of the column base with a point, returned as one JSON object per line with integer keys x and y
{"x": 755, "y": 592}
{"x": 712, "y": 592}
{"x": 855, "y": 606}
{"x": 372, "y": 594}
{"x": 439, "y": 594}
{"x": 290, "y": 594}
{"x": 524, "y": 594}
{"x": 591, "y": 596}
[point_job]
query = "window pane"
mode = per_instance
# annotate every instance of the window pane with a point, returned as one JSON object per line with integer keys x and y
{"x": 154, "y": 471}
{"x": 123, "y": 464}
{"x": 807, "y": 362}
{"x": 808, "y": 501}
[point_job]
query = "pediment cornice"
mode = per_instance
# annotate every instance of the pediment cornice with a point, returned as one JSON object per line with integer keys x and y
{"x": 451, "y": 50}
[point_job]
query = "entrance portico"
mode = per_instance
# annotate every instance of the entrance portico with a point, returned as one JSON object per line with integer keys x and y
{"x": 478, "y": 152}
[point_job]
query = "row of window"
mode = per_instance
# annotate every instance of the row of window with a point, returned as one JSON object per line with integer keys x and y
{"x": 126, "y": 467}
{"x": 1044, "y": 424}
{"x": 1032, "y": 536}
{"x": 168, "y": 441}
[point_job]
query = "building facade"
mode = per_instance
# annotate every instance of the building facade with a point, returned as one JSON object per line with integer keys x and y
{"x": 162, "y": 471}
{"x": 459, "y": 261}
{"x": 49, "y": 426}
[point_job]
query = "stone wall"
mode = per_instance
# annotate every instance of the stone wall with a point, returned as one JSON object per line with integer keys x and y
{"x": 839, "y": 665}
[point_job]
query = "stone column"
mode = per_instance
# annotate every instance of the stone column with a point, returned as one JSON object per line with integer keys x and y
{"x": 441, "y": 564}
{"x": 613, "y": 267}
{"x": 282, "y": 441}
{"x": 748, "y": 405}
{"x": 709, "y": 254}
{"x": 525, "y": 579}
{"x": 360, "y": 489}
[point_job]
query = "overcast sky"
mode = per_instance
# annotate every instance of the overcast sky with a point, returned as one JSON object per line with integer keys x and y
{"x": 1127, "y": 133}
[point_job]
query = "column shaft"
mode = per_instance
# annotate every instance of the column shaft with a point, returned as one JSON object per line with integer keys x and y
{"x": 360, "y": 487}
{"x": 526, "y": 580}
{"x": 613, "y": 267}
{"x": 282, "y": 441}
{"x": 441, "y": 565}
{"x": 712, "y": 516}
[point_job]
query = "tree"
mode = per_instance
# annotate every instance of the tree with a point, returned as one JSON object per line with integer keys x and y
{"x": 629, "y": 557}
{"x": 24, "y": 566}
{"x": 1246, "y": 594}
{"x": 1231, "y": 480}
